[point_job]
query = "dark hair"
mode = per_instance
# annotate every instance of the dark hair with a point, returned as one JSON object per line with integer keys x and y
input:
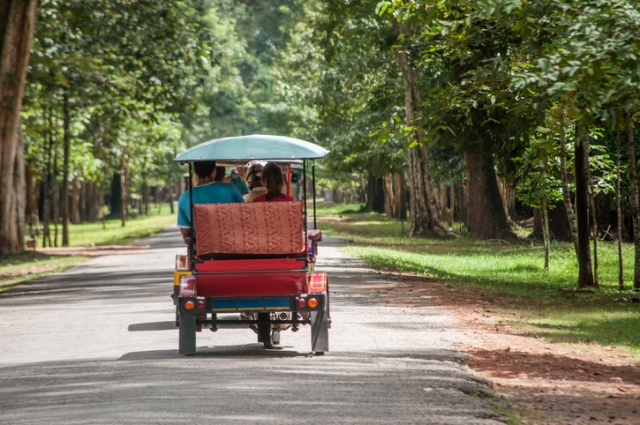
{"x": 273, "y": 180}
{"x": 203, "y": 169}
{"x": 254, "y": 175}
{"x": 220, "y": 172}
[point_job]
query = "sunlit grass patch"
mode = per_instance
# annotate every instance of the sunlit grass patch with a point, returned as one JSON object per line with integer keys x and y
{"x": 137, "y": 227}
{"x": 513, "y": 277}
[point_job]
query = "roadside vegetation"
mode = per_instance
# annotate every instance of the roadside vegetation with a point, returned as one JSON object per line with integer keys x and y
{"x": 511, "y": 276}
{"x": 31, "y": 264}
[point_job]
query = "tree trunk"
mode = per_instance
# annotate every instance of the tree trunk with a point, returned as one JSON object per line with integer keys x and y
{"x": 594, "y": 218}
{"x": 55, "y": 204}
{"x": 633, "y": 196}
{"x": 566, "y": 195}
{"x": 75, "y": 200}
{"x": 146, "y": 197}
{"x": 388, "y": 196}
{"x": 92, "y": 202}
{"x": 585, "y": 274}
{"x": 419, "y": 216}
{"x": 170, "y": 197}
{"x": 83, "y": 201}
{"x": 545, "y": 232}
{"x": 507, "y": 196}
{"x": 375, "y": 195}
{"x": 619, "y": 218}
{"x": 400, "y": 196}
{"x": 18, "y": 199}
{"x": 487, "y": 219}
{"x": 17, "y": 22}
{"x": 452, "y": 204}
{"x": 464, "y": 204}
{"x": 427, "y": 221}
{"x": 124, "y": 189}
{"x": 32, "y": 201}
{"x": 65, "y": 168}
{"x": 46, "y": 185}
{"x": 443, "y": 211}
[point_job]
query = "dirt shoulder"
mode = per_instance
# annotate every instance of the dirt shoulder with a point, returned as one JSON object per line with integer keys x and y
{"x": 545, "y": 383}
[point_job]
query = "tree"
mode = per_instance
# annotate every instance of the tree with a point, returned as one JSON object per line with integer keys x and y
{"x": 17, "y": 22}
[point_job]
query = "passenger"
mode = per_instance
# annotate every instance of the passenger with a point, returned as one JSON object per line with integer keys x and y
{"x": 256, "y": 188}
{"x": 220, "y": 172}
{"x": 206, "y": 191}
{"x": 273, "y": 180}
{"x": 236, "y": 178}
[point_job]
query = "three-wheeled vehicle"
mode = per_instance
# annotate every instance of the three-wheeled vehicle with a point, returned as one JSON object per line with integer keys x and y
{"x": 251, "y": 265}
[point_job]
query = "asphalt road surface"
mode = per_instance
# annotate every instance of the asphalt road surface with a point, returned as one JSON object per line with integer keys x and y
{"x": 97, "y": 345}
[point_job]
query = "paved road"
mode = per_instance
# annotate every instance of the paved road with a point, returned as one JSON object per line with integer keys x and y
{"x": 97, "y": 345}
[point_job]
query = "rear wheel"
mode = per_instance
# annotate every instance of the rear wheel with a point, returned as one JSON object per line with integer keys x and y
{"x": 264, "y": 330}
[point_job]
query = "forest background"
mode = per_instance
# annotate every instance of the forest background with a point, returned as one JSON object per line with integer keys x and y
{"x": 491, "y": 114}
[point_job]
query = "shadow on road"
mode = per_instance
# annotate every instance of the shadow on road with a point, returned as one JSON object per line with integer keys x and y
{"x": 152, "y": 326}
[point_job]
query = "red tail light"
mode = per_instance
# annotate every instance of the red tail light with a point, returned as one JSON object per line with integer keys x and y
{"x": 201, "y": 305}
{"x": 301, "y": 302}
{"x": 187, "y": 286}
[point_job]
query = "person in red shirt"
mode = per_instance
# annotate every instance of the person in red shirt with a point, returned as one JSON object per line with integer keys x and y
{"x": 273, "y": 179}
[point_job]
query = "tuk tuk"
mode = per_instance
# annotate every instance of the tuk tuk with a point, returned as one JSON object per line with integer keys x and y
{"x": 251, "y": 265}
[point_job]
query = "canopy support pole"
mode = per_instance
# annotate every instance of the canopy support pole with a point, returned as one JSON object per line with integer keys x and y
{"x": 313, "y": 188}
{"x": 192, "y": 257}
{"x": 304, "y": 195}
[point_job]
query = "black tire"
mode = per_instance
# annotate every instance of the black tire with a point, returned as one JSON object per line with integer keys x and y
{"x": 264, "y": 330}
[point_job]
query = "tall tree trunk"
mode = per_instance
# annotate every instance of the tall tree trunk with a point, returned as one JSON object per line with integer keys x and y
{"x": 441, "y": 196}
{"x": 425, "y": 196}
{"x": 375, "y": 195}
{"x": 46, "y": 184}
{"x": 545, "y": 231}
{"x": 65, "y": 167}
{"x": 124, "y": 184}
{"x": 633, "y": 196}
{"x": 400, "y": 196}
{"x": 619, "y": 217}
{"x": 75, "y": 200}
{"x": 32, "y": 201}
{"x": 91, "y": 201}
{"x": 487, "y": 219}
{"x": 17, "y": 22}
{"x": 505, "y": 194}
{"x": 464, "y": 204}
{"x": 388, "y": 196}
{"x": 18, "y": 199}
{"x": 419, "y": 216}
{"x": 452, "y": 204}
{"x": 55, "y": 204}
{"x": 566, "y": 195}
{"x": 170, "y": 197}
{"x": 594, "y": 218}
{"x": 585, "y": 274}
{"x": 146, "y": 197}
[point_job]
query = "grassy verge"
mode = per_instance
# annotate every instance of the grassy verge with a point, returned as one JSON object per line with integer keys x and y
{"x": 33, "y": 264}
{"x": 113, "y": 233}
{"x": 511, "y": 276}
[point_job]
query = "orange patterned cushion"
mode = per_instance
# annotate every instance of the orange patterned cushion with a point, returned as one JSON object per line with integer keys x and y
{"x": 260, "y": 228}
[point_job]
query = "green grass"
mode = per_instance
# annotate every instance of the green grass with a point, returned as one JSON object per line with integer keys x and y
{"x": 512, "y": 275}
{"x": 137, "y": 227}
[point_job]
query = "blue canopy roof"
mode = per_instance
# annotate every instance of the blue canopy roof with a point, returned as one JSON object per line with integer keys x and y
{"x": 256, "y": 146}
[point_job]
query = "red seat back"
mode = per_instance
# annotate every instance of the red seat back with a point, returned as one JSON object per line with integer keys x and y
{"x": 257, "y": 228}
